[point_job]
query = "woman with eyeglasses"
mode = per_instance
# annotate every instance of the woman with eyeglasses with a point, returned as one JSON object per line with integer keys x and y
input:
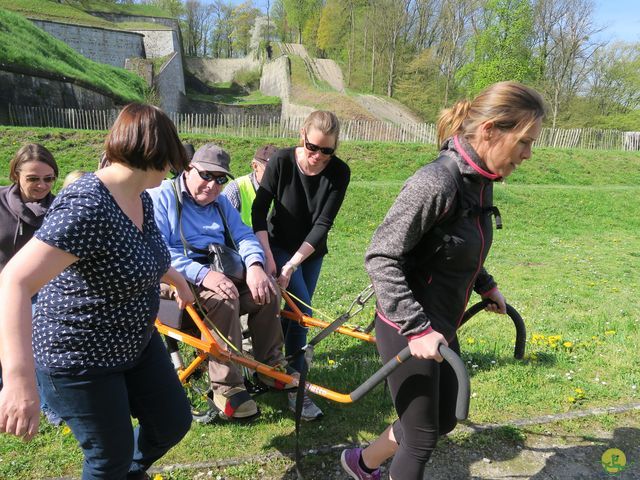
{"x": 23, "y": 204}
{"x": 97, "y": 262}
{"x": 307, "y": 185}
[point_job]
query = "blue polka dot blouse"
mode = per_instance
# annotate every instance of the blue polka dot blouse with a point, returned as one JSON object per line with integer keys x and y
{"x": 98, "y": 313}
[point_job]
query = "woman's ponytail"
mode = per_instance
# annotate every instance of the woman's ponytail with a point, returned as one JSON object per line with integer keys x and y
{"x": 450, "y": 120}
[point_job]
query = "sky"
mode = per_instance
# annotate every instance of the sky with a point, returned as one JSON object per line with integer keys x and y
{"x": 620, "y": 17}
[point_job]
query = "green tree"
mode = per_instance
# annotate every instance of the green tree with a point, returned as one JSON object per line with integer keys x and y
{"x": 221, "y": 38}
{"x": 243, "y": 17}
{"x": 332, "y": 27}
{"x": 280, "y": 21}
{"x": 501, "y": 47}
{"x": 173, "y": 7}
{"x": 614, "y": 84}
{"x": 421, "y": 85}
{"x": 299, "y": 11}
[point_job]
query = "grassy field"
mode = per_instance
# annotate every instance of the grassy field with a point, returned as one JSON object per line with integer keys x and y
{"x": 76, "y": 11}
{"x": 56, "y": 12}
{"x": 253, "y": 98}
{"x": 27, "y": 46}
{"x": 567, "y": 260}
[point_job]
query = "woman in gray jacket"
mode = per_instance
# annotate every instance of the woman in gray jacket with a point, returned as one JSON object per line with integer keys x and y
{"x": 426, "y": 258}
{"x": 23, "y": 204}
{"x": 33, "y": 171}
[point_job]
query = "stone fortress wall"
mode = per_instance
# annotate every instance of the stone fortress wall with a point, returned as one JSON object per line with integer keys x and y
{"x": 114, "y": 47}
{"x": 101, "y": 45}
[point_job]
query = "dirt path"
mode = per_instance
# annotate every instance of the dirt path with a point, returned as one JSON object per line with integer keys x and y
{"x": 329, "y": 71}
{"x": 387, "y": 110}
{"x": 562, "y": 450}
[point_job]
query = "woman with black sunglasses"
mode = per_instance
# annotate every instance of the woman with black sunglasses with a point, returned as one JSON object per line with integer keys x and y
{"x": 307, "y": 185}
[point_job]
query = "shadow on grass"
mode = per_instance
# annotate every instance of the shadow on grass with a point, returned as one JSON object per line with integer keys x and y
{"x": 342, "y": 424}
{"x": 596, "y": 458}
{"x": 355, "y": 424}
{"x": 509, "y": 452}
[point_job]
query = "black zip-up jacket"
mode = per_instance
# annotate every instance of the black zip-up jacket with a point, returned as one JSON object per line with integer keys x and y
{"x": 18, "y": 221}
{"x": 417, "y": 289}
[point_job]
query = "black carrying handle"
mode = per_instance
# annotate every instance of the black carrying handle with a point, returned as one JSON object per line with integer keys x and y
{"x": 521, "y": 330}
{"x": 464, "y": 386}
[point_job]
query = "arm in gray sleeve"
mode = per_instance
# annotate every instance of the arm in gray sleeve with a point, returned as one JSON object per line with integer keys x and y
{"x": 422, "y": 201}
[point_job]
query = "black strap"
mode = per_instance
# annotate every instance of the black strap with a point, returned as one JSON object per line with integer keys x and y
{"x": 228, "y": 239}
{"x": 308, "y": 355}
{"x": 450, "y": 164}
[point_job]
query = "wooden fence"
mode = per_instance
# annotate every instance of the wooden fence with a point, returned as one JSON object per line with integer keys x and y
{"x": 288, "y": 127}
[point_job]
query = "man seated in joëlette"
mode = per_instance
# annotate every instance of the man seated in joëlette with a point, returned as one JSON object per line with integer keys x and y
{"x": 200, "y": 220}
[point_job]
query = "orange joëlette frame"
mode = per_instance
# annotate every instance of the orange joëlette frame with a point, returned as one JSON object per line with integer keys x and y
{"x": 209, "y": 346}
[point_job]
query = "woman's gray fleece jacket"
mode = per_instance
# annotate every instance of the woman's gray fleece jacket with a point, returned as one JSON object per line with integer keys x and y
{"x": 18, "y": 220}
{"x": 418, "y": 290}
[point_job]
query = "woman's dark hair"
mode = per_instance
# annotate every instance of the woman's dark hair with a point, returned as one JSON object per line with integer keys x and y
{"x": 144, "y": 137}
{"x": 189, "y": 150}
{"x": 31, "y": 152}
{"x": 510, "y": 105}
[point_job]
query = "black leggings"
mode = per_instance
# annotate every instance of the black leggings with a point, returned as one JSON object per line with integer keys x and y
{"x": 424, "y": 395}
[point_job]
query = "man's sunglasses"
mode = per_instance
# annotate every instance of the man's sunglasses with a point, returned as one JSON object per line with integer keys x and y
{"x": 314, "y": 148}
{"x": 47, "y": 179}
{"x": 211, "y": 176}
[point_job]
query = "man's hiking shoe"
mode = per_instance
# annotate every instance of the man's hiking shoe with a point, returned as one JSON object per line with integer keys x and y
{"x": 350, "y": 460}
{"x": 310, "y": 411}
{"x": 277, "y": 384}
{"x": 236, "y": 404}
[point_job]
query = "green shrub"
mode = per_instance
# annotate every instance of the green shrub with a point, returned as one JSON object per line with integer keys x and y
{"x": 248, "y": 79}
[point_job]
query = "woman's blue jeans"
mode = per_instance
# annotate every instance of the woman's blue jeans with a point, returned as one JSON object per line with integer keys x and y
{"x": 302, "y": 285}
{"x": 98, "y": 409}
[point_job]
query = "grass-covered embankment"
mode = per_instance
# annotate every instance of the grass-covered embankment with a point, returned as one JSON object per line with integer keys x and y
{"x": 78, "y": 11}
{"x": 567, "y": 259}
{"x": 27, "y": 47}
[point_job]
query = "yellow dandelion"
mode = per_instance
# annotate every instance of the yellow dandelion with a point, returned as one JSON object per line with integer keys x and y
{"x": 554, "y": 338}
{"x": 66, "y": 430}
{"x": 471, "y": 340}
{"x": 610, "y": 332}
{"x": 331, "y": 362}
{"x": 571, "y": 399}
{"x": 537, "y": 338}
{"x": 579, "y": 391}
{"x": 567, "y": 344}
{"x": 157, "y": 476}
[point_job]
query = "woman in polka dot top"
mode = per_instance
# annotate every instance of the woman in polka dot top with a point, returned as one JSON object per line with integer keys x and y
{"x": 97, "y": 262}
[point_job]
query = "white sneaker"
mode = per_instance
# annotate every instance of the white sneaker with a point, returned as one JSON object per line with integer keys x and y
{"x": 310, "y": 411}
